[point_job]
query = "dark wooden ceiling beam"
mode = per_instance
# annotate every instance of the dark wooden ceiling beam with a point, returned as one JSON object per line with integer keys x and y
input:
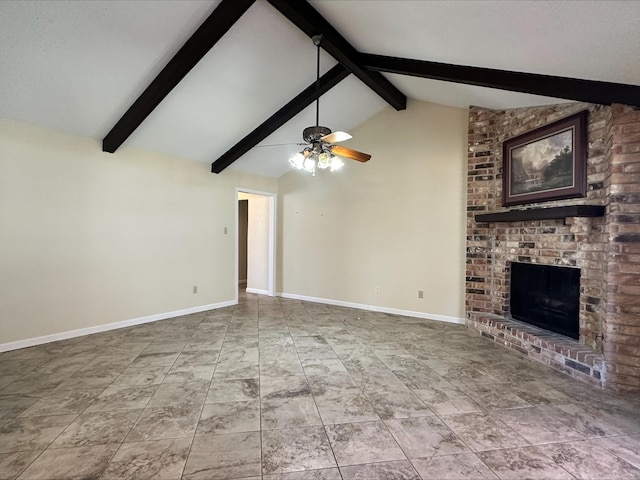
{"x": 282, "y": 116}
{"x": 309, "y": 20}
{"x": 591, "y": 91}
{"x": 205, "y": 37}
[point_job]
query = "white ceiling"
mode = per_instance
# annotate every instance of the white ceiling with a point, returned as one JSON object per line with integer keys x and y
{"x": 78, "y": 65}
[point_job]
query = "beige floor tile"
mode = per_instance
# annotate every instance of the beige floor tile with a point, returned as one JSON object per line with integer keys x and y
{"x": 32, "y": 433}
{"x": 397, "y": 470}
{"x": 366, "y": 442}
{"x": 453, "y": 467}
{"x": 526, "y": 462}
{"x": 425, "y": 437}
{"x": 159, "y": 459}
{"x": 626, "y": 447}
{"x": 70, "y": 463}
{"x": 221, "y": 457}
{"x": 296, "y": 449}
{"x": 98, "y": 428}
{"x": 233, "y": 417}
{"x": 160, "y": 423}
{"x": 12, "y": 464}
{"x": 480, "y": 431}
{"x": 588, "y": 460}
{"x": 322, "y": 474}
{"x": 233, "y": 390}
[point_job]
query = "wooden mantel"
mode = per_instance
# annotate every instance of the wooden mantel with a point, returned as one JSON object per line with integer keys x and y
{"x": 548, "y": 213}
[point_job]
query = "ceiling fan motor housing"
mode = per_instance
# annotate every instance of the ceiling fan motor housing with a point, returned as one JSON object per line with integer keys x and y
{"x": 314, "y": 134}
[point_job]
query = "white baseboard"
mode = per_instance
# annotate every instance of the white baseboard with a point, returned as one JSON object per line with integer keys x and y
{"x": 375, "y": 308}
{"x": 54, "y": 337}
{"x": 258, "y": 291}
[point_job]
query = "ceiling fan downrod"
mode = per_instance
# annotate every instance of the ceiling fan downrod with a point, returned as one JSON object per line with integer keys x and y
{"x": 317, "y": 39}
{"x": 314, "y": 134}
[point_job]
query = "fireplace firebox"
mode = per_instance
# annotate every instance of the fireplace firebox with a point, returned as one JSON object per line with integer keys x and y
{"x": 546, "y": 296}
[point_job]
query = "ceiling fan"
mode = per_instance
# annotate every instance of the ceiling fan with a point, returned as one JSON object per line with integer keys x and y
{"x": 321, "y": 151}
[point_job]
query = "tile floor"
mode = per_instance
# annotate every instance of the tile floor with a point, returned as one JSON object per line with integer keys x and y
{"x": 284, "y": 389}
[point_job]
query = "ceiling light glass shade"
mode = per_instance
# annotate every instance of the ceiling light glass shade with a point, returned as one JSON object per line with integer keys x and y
{"x": 324, "y": 160}
{"x": 297, "y": 160}
{"x": 336, "y": 164}
{"x": 310, "y": 164}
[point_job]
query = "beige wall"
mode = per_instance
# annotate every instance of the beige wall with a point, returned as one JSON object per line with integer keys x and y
{"x": 89, "y": 238}
{"x": 397, "y": 222}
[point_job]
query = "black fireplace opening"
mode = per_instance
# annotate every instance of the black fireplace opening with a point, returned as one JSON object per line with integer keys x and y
{"x": 547, "y": 296}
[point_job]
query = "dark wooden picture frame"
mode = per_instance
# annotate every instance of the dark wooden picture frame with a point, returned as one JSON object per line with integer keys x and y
{"x": 548, "y": 163}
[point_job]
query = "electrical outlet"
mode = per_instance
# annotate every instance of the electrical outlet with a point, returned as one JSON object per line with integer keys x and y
{"x": 377, "y": 290}
{"x": 420, "y": 294}
{"x": 195, "y": 289}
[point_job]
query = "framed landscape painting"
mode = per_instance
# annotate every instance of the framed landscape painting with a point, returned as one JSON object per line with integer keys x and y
{"x": 548, "y": 163}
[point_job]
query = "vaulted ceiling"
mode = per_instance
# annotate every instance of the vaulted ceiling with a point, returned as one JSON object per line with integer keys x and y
{"x": 78, "y": 66}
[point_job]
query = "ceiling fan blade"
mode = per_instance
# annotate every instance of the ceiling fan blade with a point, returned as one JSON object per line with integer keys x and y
{"x": 278, "y": 144}
{"x": 336, "y": 137}
{"x": 350, "y": 153}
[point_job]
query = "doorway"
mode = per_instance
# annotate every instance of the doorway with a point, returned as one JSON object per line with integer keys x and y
{"x": 243, "y": 240}
{"x": 255, "y": 241}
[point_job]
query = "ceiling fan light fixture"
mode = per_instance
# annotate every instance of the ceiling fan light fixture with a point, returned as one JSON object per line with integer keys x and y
{"x": 309, "y": 159}
{"x": 319, "y": 153}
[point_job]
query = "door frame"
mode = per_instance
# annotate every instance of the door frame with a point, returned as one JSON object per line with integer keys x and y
{"x": 271, "y": 274}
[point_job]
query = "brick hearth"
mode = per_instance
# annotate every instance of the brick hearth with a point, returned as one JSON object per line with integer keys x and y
{"x": 559, "y": 352}
{"x": 606, "y": 249}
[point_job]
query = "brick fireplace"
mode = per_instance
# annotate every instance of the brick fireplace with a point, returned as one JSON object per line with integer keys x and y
{"x": 605, "y": 248}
